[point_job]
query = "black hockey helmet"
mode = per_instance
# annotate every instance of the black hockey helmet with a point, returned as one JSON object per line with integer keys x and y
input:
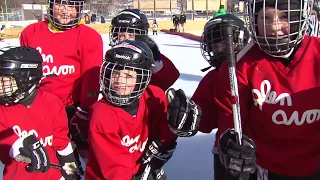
{"x": 127, "y": 65}
{"x": 77, "y": 4}
{"x": 20, "y": 73}
{"x": 128, "y": 21}
{"x": 212, "y": 40}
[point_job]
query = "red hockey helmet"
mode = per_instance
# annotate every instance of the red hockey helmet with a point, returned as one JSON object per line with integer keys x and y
{"x": 65, "y": 14}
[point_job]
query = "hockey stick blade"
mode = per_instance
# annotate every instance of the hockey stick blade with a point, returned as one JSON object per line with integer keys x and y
{"x": 24, "y": 159}
{"x": 229, "y": 50}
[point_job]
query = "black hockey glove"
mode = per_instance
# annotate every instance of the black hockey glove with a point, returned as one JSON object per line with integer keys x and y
{"x": 71, "y": 166}
{"x": 183, "y": 114}
{"x": 156, "y": 155}
{"x": 33, "y": 149}
{"x": 239, "y": 160}
{"x": 79, "y": 126}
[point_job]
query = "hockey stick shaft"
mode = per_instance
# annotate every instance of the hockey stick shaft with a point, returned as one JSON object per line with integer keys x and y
{"x": 147, "y": 169}
{"x": 228, "y": 37}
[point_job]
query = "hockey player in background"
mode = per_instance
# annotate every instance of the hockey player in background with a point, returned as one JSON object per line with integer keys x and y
{"x": 74, "y": 53}
{"x": 132, "y": 24}
{"x": 128, "y": 126}
{"x": 34, "y": 124}
{"x": 279, "y": 83}
{"x": 213, "y": 51}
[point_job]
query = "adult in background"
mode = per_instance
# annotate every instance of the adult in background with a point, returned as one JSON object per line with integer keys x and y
{"x": 182, "y": 20}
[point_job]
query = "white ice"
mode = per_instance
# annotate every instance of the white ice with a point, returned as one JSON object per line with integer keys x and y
{"x": 193, "y": 158}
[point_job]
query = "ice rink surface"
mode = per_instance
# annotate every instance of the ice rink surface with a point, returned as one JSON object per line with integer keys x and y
{"x": 192, "y": 159}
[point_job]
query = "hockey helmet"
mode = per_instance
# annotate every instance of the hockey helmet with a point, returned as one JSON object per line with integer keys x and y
{"x": 212, "y": 40}
{"x": 20, "y": 73}
{"x": 126, "y": 72}
{"x": 65, "y": 14}
{"x": 128, "y": 21}
{"x": 295, "y": 17}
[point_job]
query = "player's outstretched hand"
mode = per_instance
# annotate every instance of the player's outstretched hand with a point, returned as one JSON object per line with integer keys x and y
{"x": 33, "y": 149}
{"x": 183, "y": 114}
{"x": 239, "y": 160}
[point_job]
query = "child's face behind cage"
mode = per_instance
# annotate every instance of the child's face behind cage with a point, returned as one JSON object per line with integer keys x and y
{"x": 8, "y": 85}
{"x": 123, "y": 81}
{"x": 64, "y": 12}
{"x": 272, "y": 23}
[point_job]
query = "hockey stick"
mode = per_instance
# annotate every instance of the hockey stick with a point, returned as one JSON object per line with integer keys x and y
{"x": 24, "y": 159}
{"x": 147, "y": 169}
{"x": 229, "y": 50}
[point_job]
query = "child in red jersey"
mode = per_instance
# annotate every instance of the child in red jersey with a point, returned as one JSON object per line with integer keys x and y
{"x": 202, "y": 106}
{"x": 33, "y": 122}
{"x": 279, "y": 83}
{"x": 73, "y": 52}
{"x": 133, "y": 24}
{"x": 128, "y": 126}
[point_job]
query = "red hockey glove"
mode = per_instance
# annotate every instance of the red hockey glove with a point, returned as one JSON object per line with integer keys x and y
{"x": 183, "y": 114}
{"x": 79, "y": 126}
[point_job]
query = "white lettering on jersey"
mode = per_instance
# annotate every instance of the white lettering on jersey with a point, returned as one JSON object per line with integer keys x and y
{"x": 23, "y": 133}
{"x": 127, "y": 141}
{"x": 57, "y": 70}
{"x": 265, "y": 95}
{"x": 280, "y": 117}
{"x": 308, "y": 116}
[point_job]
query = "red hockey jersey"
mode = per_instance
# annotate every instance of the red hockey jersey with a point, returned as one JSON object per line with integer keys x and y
{"x": 75, "y": 56}
{"x": 167, "y": 76}
{"x": 46, "y": 119}
{"x": 204, "y": 98}
{"x": 279, "y": 107}
{"x": 117, "y": 139}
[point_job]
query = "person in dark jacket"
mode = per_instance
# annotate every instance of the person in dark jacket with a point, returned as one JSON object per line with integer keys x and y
{"x": 182, "y": 20}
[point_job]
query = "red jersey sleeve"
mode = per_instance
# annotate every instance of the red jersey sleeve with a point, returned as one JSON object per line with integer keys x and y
{"x": 204, "y": 97}
{"x": 91, "y": 53}
{"x": 105, "y": 143}
{"x": 223, "y": 96}
{"x": 167, "y": 76}
{"x": 159, "y": 116}
{"x": 24, "y": 34}
{"x": 8, "y": 138}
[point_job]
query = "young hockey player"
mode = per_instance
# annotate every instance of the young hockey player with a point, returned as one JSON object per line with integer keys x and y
{"x": 128, "y": 127}
{"x": 33, "y": 123}
{"x": 74, "y": 53}
{"x": 279, "y": 83}
{"x": 213, "y": 51}
{"x": 132, "y": 24}
{"x": 155, "y": 27}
